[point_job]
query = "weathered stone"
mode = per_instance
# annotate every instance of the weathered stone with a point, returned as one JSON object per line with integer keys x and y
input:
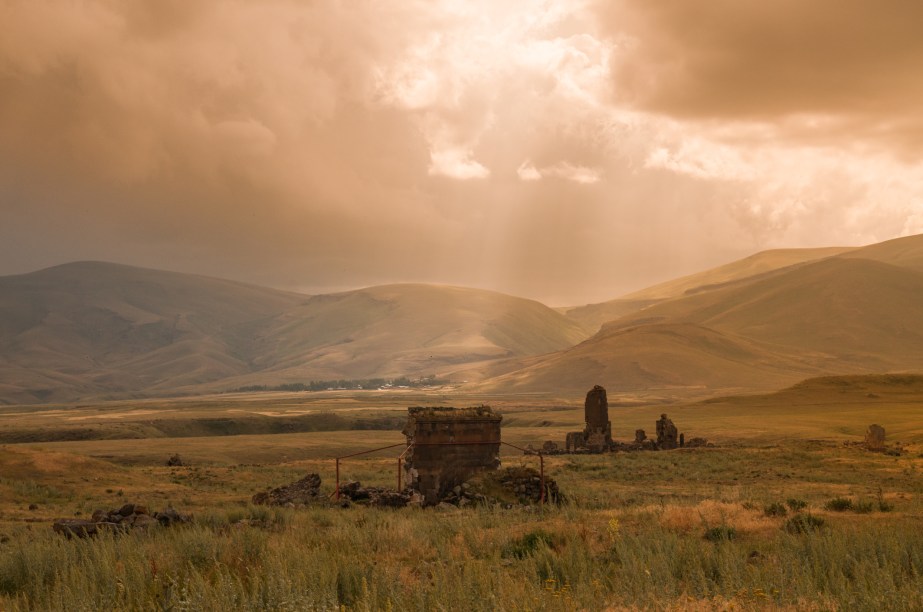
{"x": 175, "y": 461}
{"x": 666, "y": 433}
{"x": 301, "y": 491}
{"x": 875, "y": 438}
{"x": 449, "y": 445}
{"x": 549, "y": 446}
{"x": 127, "y": 510}
{"x": 75, "y": 528}
{"x": 640, "y": 436}
{"x": 144, "y": 521}
{"x": 598, "y": 431}
{"x": 171, "y": 517}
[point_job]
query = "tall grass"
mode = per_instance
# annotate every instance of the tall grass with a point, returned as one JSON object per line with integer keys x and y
{"x": 479, "y": 559}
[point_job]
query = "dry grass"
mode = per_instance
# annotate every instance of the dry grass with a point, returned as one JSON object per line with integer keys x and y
{"x": 633, "y": 535}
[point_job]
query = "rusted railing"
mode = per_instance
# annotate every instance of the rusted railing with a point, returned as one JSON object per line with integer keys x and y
{"x": 400, "y": 458}
{"x": 366, "y": 452}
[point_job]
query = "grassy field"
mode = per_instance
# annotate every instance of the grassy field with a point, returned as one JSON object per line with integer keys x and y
{"x": 785, "y": 512}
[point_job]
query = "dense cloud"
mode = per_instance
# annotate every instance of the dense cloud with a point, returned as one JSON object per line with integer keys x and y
{"x": 562, "y": 150}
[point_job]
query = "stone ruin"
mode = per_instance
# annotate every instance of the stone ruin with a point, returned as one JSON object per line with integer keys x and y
{"x": 875, "y": 438}
{"x": 667, "y": 436}
{"x": 597, "y": 434}
{"x": 119, "y": 520}
{"x": 446, "y": 446}
{"x": 297, "y": 494}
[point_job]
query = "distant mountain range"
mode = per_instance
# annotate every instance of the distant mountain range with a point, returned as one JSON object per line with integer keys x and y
{"x": 96, "y": 330}
{"x": 93, "y": 330}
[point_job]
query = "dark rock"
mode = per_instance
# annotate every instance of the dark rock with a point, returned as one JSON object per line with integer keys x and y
{"x": 72, "y": 528}
{"x": 302, "y": 491}
{"x": 171, "y": 517}
{"x": 175, "y": 461}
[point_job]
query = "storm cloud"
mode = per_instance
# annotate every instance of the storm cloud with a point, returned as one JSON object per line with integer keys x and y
{"x": 568, "y": 151}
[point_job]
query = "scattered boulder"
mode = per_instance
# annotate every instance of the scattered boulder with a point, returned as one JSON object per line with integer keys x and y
{"x": 524, "y": 484}
{"x": 697, "y": 443}
{"x": 549, "y": 446}
{"x": 126, "y": 518}
{"x": 640, "y": 436}
{"x": 75, "y": 528}
{"x": 375, "y": 496}
{"x": 175, "y": 461}
{"x": 875, "y": 438}
{"x": 300, "y": 492}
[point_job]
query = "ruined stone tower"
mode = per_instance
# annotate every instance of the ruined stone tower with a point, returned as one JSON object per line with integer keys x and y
{"x": 449, "y": 445}
{"x": 598, "y": 432}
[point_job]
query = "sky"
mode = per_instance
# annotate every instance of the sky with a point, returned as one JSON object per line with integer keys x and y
{"x": 568, "y": 151}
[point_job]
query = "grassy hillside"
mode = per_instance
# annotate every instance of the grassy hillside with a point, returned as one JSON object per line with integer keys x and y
{"x": 104, "y": 330}
{"x": 759, "y": 263}
{"x": 682, "y": 357}
{"x": 860, "y": 313}
{"x": 406, "y": 329}
{"x": 593, "y": 316}
{"x": 839, "y": 314}
{"x": 95, "y": 327}
{"x": 906, "y": 252}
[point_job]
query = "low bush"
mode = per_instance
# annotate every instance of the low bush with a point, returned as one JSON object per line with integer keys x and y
{"x": 775, "y": 509}
{"x": 721, "y": 533}
{"x": 804, "y": 523}
{"x": 839, "y": 504}
{"x": 796, "y": 504}
{"x": 528, "y": 544}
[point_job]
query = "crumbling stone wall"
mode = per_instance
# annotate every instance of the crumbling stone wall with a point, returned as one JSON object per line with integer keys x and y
{"x": 449, "y": 445}
{"x": 598, "y": 432}
{"x": 667, "y": 437}
{"x": 875, "y": 438}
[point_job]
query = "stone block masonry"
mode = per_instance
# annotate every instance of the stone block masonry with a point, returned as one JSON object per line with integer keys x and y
{"x": 448, "y": 446}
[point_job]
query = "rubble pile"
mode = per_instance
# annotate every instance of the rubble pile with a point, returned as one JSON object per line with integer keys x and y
{"x": 298, "y": 493}
{"x": 526, "y": 484}
{"x": 126, "y": 518}
{"x": 377, "y": 496}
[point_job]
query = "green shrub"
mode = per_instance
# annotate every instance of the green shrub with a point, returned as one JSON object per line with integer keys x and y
{"x": 720, "y": 533}
{"x": 528, "y": 544}
{"x": 839, "y": 504}
{"x": 775, "y": 509}
{"x": 804, "y": 523}
{"x": 883, "y": 506}
{"x": 863, "y": 507}
{"x": 796, "y": 504}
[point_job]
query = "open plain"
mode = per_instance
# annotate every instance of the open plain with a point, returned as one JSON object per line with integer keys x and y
{"x": 786, "y": 509}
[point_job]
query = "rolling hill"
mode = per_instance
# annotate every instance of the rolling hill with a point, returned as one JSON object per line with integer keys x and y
{"x": 593, "y": 316}
{"x": 840, "y": 314}
{"x": 93, "y": 329}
